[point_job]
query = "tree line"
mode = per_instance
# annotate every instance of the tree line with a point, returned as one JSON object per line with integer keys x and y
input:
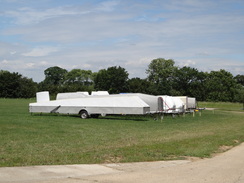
{"x": 163, "y": 78}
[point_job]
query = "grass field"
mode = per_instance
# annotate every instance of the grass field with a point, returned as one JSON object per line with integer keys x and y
{"x": 27, "y": 139}
{"x": 226, "y": 106}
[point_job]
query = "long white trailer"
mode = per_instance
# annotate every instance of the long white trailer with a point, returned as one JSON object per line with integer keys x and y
{"x": 157, "y": 104}
{"x": 101, "y": 103}
{"x": 90, "y": 105}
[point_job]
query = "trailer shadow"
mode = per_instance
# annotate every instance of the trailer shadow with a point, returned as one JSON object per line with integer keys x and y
{"x": 122, "y": 118}
{"x": 109, "y": 117}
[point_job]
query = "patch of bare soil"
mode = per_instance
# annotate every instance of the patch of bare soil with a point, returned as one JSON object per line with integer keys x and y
{"x": 225, "y": 148}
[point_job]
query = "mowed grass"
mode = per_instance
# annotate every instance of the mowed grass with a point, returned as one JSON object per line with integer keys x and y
{"x": 227, "y": 106}
{"x": 27, "y": 139}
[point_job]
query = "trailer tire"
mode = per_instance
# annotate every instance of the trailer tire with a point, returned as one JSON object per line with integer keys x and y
{"x": 84, "y": 114}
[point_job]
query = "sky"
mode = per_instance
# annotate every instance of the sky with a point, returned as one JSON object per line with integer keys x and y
{"x": 96, "y": 34}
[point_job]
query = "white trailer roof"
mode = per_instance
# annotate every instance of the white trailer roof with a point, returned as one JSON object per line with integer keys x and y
{"x": 101, "y": 101}
{"x": 151, "y": 100}
{"x": 70, "y": 95}
{"x": 95, "y": 93}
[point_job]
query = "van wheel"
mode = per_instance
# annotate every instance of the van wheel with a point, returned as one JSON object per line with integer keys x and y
{"x": 83, "y": 114}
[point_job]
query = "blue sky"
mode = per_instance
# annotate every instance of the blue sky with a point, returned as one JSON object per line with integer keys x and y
{"x": 97, "y": 34}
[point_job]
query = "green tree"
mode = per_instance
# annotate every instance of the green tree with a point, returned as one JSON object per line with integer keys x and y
{"x": 28, "y": 87}
{"x": 221, "y": 86}
{"x": 14, "y": 85}
{"x": 79, "y": 80}
{"x": 160, "y": 73}
{"x": 80, "y": 77}
{"x": 113, "y": 79}
{"x": 54, "y": 75}
{"x": 239, "y": 79}
{"x": 138, "y": 85}
{"x": 54, "y": 80}
{"x": 240, "y": 96}
{"x": 101, "y": 80}
{"x": 190, "y": 82}
{"x": 198, "y": 87}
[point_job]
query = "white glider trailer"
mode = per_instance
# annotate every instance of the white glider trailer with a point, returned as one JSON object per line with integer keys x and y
{"x": 161, "y": 104}
{"x": 190, "y": 103}
{"x": 101, "y": 103}
{"x": 86, "y": 106}
{"x": 155, "y": 102}
{"x": 172, "y": 105}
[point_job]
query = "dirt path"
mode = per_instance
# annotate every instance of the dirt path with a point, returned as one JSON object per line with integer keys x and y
{"x": 227, "y": 167}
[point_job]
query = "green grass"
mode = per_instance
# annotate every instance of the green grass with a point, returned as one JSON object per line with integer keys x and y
{"x": 227, "y": 106}
{"x": 27, "y": 139}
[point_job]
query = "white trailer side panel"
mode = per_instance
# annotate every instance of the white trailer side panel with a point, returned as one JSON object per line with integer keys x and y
{"x": 168, "y": 104}
{"x": 179, "y": 105}
{"x": 192, "y": 103}
{"x": 184, "y": 99}
{"x": 155, "y": 102}
{"x": 96, "y": 105}
{"x": 189, "y": 102}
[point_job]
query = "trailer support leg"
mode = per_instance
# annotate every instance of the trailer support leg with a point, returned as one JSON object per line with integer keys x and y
{"x": 162, "y": 117}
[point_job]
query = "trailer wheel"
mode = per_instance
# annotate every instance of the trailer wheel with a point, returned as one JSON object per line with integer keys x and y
{"x": 83, "y": 114}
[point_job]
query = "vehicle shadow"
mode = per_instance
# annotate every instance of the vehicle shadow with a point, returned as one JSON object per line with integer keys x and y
{"x": 108, "y": 117}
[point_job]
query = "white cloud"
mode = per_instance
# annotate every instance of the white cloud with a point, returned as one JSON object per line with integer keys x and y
{"x": 139, "y": 62}
{"x": 187, "y": 63}
{"x": 35, "y": 65}
{"x": 107, "y": 5}
{"x": 26, "y": 15}
{"x": 41, "y": 51}
{"x": 4, "y": 62}
{"x": 43, "y": 63}
{"x": 13, "y": 52}
{"x": 12, "y": 65}
{"x": 17, "y": 64}
{"x": 87, "y": 66}
{"x": 93, "y": 36}
{"x": 30, "y": 65}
